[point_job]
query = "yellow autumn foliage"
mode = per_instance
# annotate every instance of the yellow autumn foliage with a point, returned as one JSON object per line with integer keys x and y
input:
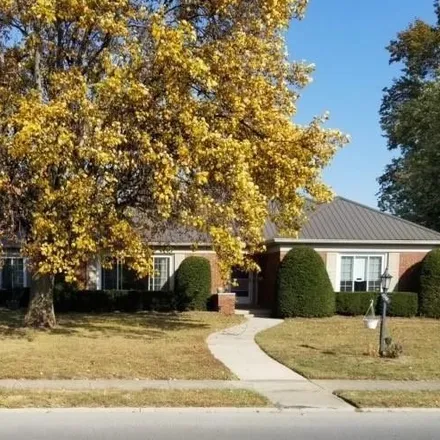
{"x": 119, "y": 117}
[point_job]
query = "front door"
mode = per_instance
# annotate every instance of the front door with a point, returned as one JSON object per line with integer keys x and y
{"x": 360, "y": 274}
{"x": 242, "y": 286}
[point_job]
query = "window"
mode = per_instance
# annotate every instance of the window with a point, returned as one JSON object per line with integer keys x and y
{"x": 120, "y": 277}
{"x": 160, "y": 279}
{"x": 360, "y": 273}
{"x": 346, "y": 274}
{"x": 13, "y": 273}
{"x": 112, "y": 277}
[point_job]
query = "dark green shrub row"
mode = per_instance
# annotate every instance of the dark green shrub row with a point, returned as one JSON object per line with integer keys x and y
{"x": 105, "y": 301}
{"x": 430, "y": 285}
{"x": 403, "y": 304}
{"x": 354, "y": 303}
{"x": 19, "y": 295}
{"x": 193, "y": 284}
{"x": 303, "y": 285}
{"x": 97, "y": 301}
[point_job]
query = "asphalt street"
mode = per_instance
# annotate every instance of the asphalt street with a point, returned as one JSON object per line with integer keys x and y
{"x": 167, "y": 425}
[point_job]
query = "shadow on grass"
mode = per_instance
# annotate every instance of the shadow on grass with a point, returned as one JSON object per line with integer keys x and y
{"x": 129, "y": 326}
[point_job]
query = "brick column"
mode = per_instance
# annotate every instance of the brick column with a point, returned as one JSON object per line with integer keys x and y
{"x": 226, "y": 303}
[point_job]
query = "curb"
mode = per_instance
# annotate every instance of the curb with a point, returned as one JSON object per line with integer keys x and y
{"x": 398, "y": 410}
{"x": 197, "y": 410}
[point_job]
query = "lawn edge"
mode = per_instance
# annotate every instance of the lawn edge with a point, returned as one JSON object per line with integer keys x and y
{"x": 360, "y": 408}
{"x": 301, "y": 373}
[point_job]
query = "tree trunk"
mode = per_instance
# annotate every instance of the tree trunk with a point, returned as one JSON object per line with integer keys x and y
{"x": 41, "y": 313}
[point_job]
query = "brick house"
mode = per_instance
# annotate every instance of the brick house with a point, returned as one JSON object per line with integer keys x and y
{"x": 356, "y": 243}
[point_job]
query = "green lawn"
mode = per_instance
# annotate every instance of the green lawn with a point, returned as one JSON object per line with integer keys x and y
{"x": 143, "y": 346}
{"x": 341, "y": 348}
{"x": 133, "y": 399}
{"x": 392, "y": 399}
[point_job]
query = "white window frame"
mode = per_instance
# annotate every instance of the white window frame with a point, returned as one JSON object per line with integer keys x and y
{"x": 170, "y": 280}
{"x": 171, "y": 265}
{"x": 359, "y": 255}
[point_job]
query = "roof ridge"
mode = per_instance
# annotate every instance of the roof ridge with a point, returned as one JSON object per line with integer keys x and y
{"x": 386, "y": 214}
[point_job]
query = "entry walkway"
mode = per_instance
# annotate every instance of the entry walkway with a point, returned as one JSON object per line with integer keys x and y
{"x": 236, "y": 348}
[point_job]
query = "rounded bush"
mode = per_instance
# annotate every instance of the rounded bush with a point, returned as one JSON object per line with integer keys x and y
{"x": 303, "y": 285}
{"x": 193, "y": 284}
{"x": 429, "y": 304}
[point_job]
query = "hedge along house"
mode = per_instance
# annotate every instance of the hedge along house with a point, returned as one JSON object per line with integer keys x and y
{"x": 356, "y": 243}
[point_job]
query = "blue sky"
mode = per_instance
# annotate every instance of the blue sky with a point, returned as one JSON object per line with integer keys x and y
{"x": 346, "y": 39}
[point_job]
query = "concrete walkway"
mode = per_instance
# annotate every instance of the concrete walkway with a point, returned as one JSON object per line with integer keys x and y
{"x": 236, "y": 348}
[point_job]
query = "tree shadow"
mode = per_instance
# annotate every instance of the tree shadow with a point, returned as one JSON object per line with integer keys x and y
{"x": 309, "y": 347}
{"x": 11, "y": 325}
{"x": 145, "y": 325}
{"x": 409, "y": 281}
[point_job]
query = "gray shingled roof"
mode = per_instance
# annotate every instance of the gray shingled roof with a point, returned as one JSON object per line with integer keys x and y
{"x": 344, "y": 219}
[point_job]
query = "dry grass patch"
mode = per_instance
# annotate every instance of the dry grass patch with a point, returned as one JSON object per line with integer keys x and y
{"x": 133, "y": 399}
{"x": 391, "y": 399}
{"x": 143, "y": 346}
{"x": 341, "y": 348}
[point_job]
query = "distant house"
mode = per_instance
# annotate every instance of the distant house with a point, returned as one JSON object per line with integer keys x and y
{"x": 356, "y": 243}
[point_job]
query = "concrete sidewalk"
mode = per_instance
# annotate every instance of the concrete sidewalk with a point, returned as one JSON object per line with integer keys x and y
{"x": 269, "y": 385}
{"x": 282, "y": 393}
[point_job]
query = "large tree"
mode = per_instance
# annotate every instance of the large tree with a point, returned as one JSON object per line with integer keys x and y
{"x": 410, "y": 117}
{"x": 120, "y": 116}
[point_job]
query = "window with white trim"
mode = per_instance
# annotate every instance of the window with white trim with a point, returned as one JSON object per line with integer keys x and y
{"x": 160, "y": 280}
{"x": 13, "y": 273}
{"x": 120, "y": 277}
{"x": 360, "y": 273}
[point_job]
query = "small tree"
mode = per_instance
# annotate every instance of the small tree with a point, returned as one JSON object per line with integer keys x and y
{"x": 303, "y": 285}
{"x": 429, "y": 299}
{"x": 193, "y": 284}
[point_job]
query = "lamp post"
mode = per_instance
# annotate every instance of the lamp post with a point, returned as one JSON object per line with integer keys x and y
{"x": 385, "y": 280}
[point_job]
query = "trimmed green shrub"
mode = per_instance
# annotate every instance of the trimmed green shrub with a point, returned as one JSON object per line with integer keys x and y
{"x": 303, "y": 285}
{"x": 429, "y": 304}
{"x": 403, "y": 304}
{"x": 193, "y": 284}
{"x": 354, "y": 303}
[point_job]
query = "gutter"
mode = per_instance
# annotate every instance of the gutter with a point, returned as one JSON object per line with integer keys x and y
{"x": 291, "y": 241}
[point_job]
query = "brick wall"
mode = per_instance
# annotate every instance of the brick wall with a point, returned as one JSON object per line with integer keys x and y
{"x": 409, "y": 271}
{"x": 269, "y": 264}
